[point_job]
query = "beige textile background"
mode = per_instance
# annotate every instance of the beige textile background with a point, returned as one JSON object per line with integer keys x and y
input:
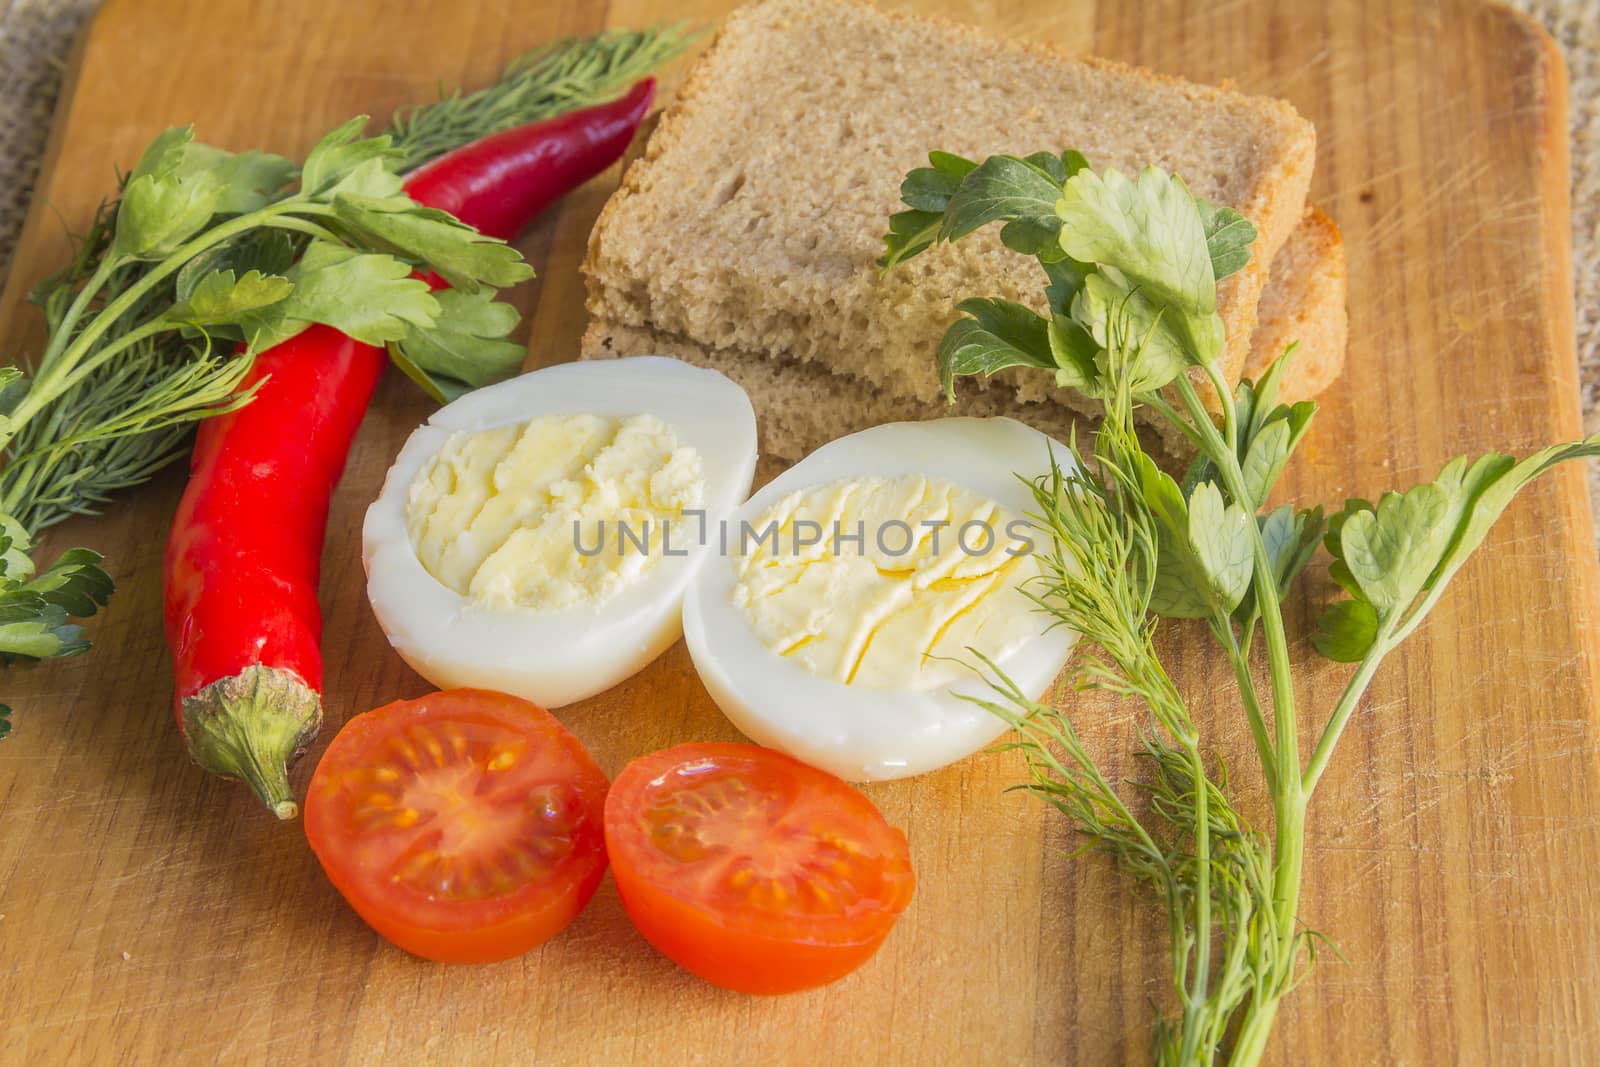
{"x": 36, "y": 35}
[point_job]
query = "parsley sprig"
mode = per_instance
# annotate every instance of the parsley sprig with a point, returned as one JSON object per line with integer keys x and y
{"x": 207, "y": 257}
{"x": 1130, "y": 321}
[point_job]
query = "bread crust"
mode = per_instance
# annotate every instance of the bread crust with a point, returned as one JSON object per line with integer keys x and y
{"x": 1305, "y": 305}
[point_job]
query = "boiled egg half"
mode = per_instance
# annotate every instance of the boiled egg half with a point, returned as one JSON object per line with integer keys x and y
{"x": 838, "y": 624}
{"x": 537, "y": 536}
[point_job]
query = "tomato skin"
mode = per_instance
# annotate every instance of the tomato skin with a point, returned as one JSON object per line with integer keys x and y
{"x": 488, "y": 944}
{"x": 743, "y": 962}
{"x": 751, "y": 949}
{"x": 480, "y": 929}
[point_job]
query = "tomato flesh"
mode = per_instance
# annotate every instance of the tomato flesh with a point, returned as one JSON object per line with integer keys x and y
{"x": 465, "y": 826}
{"x": 751, "y": 869}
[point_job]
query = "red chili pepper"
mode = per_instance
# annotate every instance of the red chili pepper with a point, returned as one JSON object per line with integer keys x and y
{"x": 244, "y": 556}
{"x": 501, "y": 182}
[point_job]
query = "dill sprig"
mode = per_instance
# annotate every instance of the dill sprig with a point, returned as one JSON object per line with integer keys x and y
{"x": 129, "y": 417}
{"x": 571, "y": 73}
{"x": 1131, "y": 322}
{"x": 193, "y": 266}
{"x": 1210, "y": 868}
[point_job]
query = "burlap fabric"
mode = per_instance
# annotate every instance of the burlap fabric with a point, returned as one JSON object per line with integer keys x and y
{"x": 36, "y": 35}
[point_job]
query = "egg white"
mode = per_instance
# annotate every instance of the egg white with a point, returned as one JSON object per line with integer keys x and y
{"x": 857, "y": 733}
{"x": 558, "y": 657}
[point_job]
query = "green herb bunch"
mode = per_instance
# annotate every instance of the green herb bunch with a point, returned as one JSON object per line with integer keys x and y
{"x": 1131, "y": 267}
{"x": 208, "y": 257}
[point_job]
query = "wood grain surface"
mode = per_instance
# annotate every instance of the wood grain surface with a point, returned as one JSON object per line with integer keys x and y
{"x": 150, "y": 914}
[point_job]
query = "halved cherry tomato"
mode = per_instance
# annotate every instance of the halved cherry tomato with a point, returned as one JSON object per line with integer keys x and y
{"x": 751, "y": 869}
{"x": 465, "y": 826}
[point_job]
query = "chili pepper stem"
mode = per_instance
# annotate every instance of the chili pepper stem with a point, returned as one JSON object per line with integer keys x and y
{"x": 252, "y": 726}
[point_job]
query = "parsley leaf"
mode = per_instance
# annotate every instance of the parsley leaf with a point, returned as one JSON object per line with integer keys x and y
{"x": 930, "y": 188}
{"x": 370, "y": 296}
{"x": 927, "y": 192}
{"x": 1203, "y": 558}
{"x": 1391, "y": 550}
{"x": 74, "y": 583}
{"x": 1040, "y": 235}
{"x": 1220, "y": 534}
{"x": 997, "y": 334}
{"x": 1148, "y": 229}
{"x": 910, "y": 232}
{"x": 1151, "y": 234}
{"x": 1268, "y": 434}
{"x": 1347, "y": 631}
{"x": 171, "y": 193}
{"x": 1269, "y": 447}
{"x": 1291, "y": 538}
{"x": 460, "y": 255}
{"x": 1002, "y": 188}
{"x": 1130, "y": 265}
{"x": 178, "y": 185}
{"x": 1228, "y": 237}
{"x": 1058, "y": 167}
{"x": 247, "y": 180}
{"x": 1120, "y": 316}
{"x": 220, "y": 297}
{"x": 1067, "y": 277}
{"x": 1394, "y": 558}
{"x": 1076, "y": 355}
{"x": 341, "y": 153}
{"x": 34, "y": 610}
{"x": 1481, "y": 491}
{"x": 265, "y": 251}
{"x": 464, "y": 348}
{"x": 372, "y": 178}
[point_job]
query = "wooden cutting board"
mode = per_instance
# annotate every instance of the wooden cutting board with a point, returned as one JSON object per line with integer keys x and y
{"x": 150, "y": 914}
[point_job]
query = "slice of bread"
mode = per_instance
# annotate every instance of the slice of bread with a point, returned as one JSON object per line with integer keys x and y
{"x": 755, "y": 217}
{"x": 802, "y": 405}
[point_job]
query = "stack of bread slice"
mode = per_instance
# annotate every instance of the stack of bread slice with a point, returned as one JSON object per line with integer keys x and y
{"x": 746, "y": 237}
